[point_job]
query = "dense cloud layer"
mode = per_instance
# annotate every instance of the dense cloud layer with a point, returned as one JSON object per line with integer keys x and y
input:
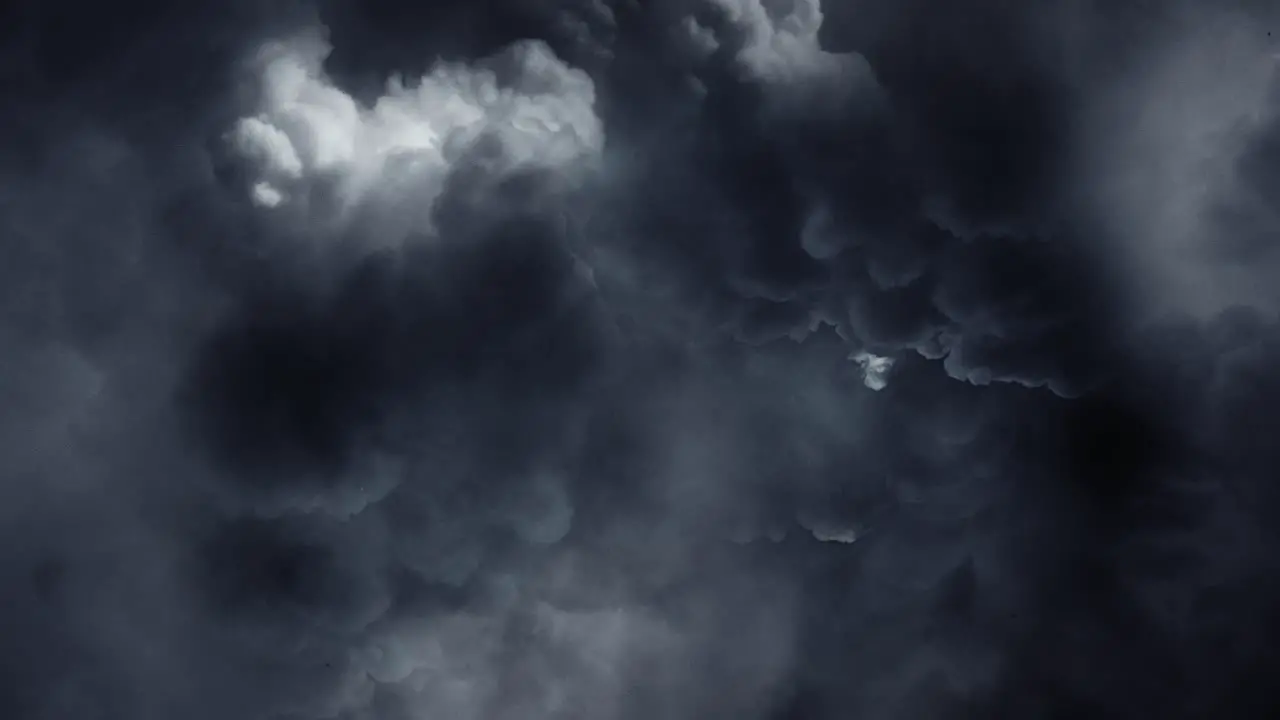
{"x": 679, "y": 359}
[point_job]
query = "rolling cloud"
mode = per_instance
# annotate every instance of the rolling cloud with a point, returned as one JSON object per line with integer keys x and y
{"x": 689, "y": 358}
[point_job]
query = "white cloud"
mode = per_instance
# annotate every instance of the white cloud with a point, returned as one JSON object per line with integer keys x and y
{"x": 266, "y": 195}
{"x": 315, "y": 148}
{"x": 875, "y": 369}
{"x": 268, "y": 145}
{"x": 781, "y": 47}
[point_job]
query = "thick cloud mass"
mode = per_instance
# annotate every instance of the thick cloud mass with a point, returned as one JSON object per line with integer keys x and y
{"x": 616, "y": 360}
{"x": 524, "y": 107}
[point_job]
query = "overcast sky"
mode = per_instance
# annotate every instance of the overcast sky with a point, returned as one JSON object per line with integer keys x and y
{"x": 639, "y": 360}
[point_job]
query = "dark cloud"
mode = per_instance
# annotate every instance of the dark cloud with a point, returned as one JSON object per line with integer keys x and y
{"x": 742, "y": 358}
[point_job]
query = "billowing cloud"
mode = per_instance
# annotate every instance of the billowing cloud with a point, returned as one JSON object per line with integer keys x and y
{"x": 316, "y": 146}
{"x": 682, "y": 359}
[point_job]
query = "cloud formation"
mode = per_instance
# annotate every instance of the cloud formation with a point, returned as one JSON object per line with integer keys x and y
{"x": 695, "y": 358}
{"x": 315, "y": 146}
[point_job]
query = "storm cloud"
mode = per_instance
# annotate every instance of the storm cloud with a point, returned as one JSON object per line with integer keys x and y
{"x": 686, "y": 358}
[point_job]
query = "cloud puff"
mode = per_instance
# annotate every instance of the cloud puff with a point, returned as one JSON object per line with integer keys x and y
{"x": 316, "y": 146}
{"x": 777, "y": 43}
{"x": 875, "y": 369}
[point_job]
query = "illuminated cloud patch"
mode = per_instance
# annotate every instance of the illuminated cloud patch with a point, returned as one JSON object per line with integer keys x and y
{"x": 315, "y": 147}
{"x": 875, "y": 369}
